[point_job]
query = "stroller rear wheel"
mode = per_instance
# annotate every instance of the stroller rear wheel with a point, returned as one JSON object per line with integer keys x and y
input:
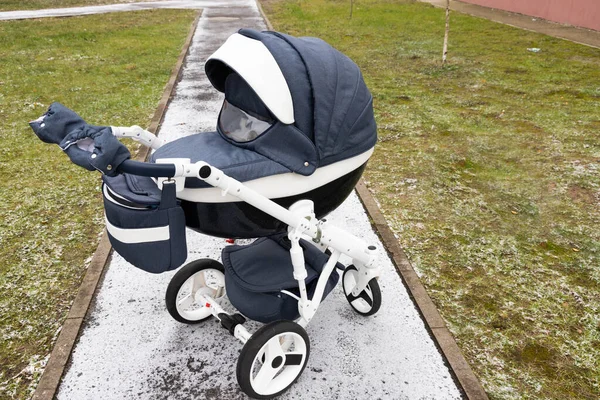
{"x": 273, "y": 359}
{"x": 369, "y": 300}
{"x": 204, "y": 276}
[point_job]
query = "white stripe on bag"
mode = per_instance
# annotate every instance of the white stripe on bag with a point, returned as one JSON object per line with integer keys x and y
{"x": 108, "y": 195}
{"x": 140, "y": 235}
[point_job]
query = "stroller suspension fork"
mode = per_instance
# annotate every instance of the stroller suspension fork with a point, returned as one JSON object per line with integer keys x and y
{"x": 305, "y": 306}
{"x": 341, "y": 242}
{"x": 364, "y": 256}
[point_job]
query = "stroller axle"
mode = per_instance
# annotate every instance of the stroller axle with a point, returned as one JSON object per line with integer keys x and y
{"x": 231, "y": 322}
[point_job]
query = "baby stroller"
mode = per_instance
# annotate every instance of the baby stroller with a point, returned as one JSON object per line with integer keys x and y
{"x": 293, "y": 137}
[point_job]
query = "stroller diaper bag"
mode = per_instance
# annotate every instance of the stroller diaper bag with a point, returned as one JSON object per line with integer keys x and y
{"x": 145, "y": 225}
{"x": 256, "y": 273}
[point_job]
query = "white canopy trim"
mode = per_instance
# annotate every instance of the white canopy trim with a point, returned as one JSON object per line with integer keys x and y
{"x": 252, "y": 60}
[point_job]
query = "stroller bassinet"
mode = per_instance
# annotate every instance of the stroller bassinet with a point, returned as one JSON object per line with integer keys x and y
{"x": 318, "y": 131}
{"x": 294, "y": 134}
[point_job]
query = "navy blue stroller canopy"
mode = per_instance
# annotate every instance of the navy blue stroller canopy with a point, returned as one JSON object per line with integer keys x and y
{"x": 296, "y": 101}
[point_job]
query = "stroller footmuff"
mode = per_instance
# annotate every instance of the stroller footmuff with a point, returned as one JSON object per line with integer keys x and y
{"x": 256, "y": 274}
{"x": 145, "y": 225}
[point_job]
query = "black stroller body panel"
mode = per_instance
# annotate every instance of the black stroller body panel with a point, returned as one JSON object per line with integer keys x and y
{"x": 241, "y": 220}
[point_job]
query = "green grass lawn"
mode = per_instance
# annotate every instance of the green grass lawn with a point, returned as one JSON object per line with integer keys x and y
{"x": 111, "y": 69}
{"x": 488, "y": 170}
{"x": 11, "y": 5}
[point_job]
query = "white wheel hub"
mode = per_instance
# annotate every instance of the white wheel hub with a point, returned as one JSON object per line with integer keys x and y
{"x": 278, "y": 363}
{"x": 209, "y": 282}
{"x": 359, "y": 302}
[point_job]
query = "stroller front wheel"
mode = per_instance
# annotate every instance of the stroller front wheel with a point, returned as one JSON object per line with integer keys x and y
{"x": 273, "y": 359}
{"x": 205, "y": 276}
{"x": 368, "y": 301}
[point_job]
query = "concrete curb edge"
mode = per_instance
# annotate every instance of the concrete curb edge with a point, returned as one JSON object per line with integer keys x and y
{"x": 264, "y": 15}
{"x": 49, "y": 382}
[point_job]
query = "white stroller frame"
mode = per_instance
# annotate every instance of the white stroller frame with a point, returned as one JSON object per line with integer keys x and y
{"x": 301, "y": 221}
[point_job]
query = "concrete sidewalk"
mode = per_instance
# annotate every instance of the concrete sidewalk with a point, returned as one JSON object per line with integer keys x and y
{"x": 89, "y": 10}
{"x": 131, "y": 348}
{"x": 579, "y": 35}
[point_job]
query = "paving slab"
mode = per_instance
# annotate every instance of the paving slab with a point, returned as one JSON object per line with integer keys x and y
{"x": 131, "y": 348}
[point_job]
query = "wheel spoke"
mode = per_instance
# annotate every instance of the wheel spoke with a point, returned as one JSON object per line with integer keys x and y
{"x": 267, "y": 373}
{"x": 199, "y": 280}
{"x": 264, "y": 378}
{"x": 350, "y": 282}
{"x": 362, "y": 295}
{"x": 184, "y": 303}
{"x": 286, "y": 343}
{"x": 191, "y": 286}
{"x": 211, "y": 281}
{"x": 293, "y": 358}
{"x": 219, "y": 279}
{"x": 273, "y": 350}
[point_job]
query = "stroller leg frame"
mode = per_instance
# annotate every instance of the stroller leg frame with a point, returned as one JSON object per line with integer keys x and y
{"x": 308, "y": 308}
{"x": 302, "y": 222}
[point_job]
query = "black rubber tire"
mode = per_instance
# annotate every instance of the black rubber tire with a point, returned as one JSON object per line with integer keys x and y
{"x": 375, "y": 291}
{"x": 179, "y": 279}
{"x": 253, "y": 346}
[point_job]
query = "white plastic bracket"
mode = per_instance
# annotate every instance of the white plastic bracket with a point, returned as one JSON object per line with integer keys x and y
{"x": 180, "y": 164}
{"x": 366, "y": 271}
{"x": 138, "y": 134}
{"x": 226, "y": 190}
{"x": 297, "y": 255}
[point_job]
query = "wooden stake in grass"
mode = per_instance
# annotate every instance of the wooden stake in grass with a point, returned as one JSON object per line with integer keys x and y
{"x": 445, "y": 49}
{"x": 351, "y": 6}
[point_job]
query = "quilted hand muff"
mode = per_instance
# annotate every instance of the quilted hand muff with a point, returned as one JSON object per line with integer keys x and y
{"x": 145, "y": 225}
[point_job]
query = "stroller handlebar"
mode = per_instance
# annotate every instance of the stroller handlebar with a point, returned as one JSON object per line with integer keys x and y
{"x": 147, "y": 169}
{"x": 218, "y": 179}
{"x": 138, "y": 134}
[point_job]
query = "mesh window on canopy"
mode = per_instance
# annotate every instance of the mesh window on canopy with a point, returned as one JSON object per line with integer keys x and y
{"x": 240, "y": 126}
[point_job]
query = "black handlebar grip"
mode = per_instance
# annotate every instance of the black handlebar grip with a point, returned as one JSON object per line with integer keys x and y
{"x": 147, "y": 169}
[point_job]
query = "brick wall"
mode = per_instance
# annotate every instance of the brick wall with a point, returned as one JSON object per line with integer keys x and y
{"x": 584, "y": 13}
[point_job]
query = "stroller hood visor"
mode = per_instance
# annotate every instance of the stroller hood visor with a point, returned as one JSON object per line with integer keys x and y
{"x": 252, "y": 60}
{"x": 321, "y": 109}
{"x": 238, "y": 125}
